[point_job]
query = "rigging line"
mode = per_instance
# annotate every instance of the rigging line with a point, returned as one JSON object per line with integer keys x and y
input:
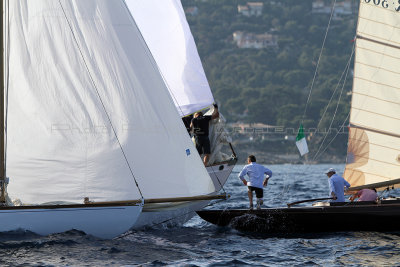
{"x": 222, "y": 187}
{"x": 341, "y": 127}
{"x": 285, "y": 190}
{"x": 153, "y": 62}
{"x": 334, "y": 115}
{"x": 101, "y": 101}
{"x": 7, "y": 43}
{"x": 337, "y": 86}
{"x": 319, "y": 59}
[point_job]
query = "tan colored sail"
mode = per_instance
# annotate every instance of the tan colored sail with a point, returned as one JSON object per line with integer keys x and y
{"x": 374, "y": 138}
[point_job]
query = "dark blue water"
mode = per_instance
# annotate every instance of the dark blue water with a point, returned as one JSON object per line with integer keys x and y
{"x": 198, "y": 243}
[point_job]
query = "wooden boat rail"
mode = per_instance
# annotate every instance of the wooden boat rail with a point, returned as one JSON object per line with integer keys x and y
{"x": 116, "y": 203}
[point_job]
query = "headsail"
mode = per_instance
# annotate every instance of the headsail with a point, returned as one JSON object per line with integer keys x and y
{"x": 84, "y": 93}
{"x": 167, "y": 33}
{"x": 374, "y": 139}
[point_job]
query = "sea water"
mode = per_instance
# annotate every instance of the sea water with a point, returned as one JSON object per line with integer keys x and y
{"x": 198, "y": 243}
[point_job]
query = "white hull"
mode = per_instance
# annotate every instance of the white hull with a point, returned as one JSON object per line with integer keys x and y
{"x": 100, "y": 221}
{"x": 179, "y": 213}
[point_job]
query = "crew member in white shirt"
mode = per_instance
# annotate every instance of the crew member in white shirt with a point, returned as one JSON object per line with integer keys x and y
{"x": 337, "y": 185}
{"x": 255, "y": 173}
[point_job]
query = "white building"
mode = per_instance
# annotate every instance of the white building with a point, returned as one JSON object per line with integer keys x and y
{"x": 251, "y": 9}
{"x": 257, "y": 41}
{"x": 341, "y": 8}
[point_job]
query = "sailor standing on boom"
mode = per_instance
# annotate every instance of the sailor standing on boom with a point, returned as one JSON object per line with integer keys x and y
{"x": 255, "y": 172}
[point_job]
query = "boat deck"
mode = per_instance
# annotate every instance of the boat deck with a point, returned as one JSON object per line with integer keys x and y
{"x": 355, "y": 216}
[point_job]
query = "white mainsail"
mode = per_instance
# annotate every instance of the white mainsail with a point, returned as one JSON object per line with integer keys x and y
{"x": 374, "y": 138}
{"x": 167, "y": 33}
{"x": 83, "y": 92}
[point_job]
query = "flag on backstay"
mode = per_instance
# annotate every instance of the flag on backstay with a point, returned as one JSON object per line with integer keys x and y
{"x": 301, "y": 142}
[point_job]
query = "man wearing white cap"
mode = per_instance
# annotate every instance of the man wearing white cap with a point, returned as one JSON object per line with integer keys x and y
{"x": 336, "y": 185}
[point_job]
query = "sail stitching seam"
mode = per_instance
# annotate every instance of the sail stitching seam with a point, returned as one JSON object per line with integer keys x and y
{"x": 396, "y": 103}
{"x": 376, "y": 52}
{"x": 355, "y": 170}
{"x": 101, "y": 101}
{"x": 379, "y": 22}
{"x": 359, "y": 155}
{"x": 362, "y": 127}
{"x": 376, "y": 113}
{"x": 359, "y": 140}
{"x": 387, "y": 85}
{"x": 376, "y": 67}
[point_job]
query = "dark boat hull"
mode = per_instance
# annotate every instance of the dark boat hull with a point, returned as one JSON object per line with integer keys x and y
{"x": 348, "y": 217}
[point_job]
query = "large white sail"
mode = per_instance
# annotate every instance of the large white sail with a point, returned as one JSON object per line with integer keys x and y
{"x": 84, "y": 92}
{"x": 167, "y": 33}
{"x": 374, "y": 138}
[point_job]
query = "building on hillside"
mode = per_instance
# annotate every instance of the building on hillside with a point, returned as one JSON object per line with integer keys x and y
{"x": 251, "y": 132}
{"x": 192, "y": 10}
{"x": 251, "y": 9}
{"x": 256, "y": 41}
{"x": 343, "y": 8}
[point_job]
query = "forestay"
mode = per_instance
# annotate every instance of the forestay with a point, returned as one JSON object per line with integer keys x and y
{"x": 167, "y": 33}
{"x": 374, "y": 138}
{"x": 70, "y": 64}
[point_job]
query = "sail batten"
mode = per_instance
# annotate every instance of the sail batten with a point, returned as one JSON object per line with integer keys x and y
{"x": 372, "y": 130}
{"x": 378, "y": 42}
{"x": 373, "y": 154}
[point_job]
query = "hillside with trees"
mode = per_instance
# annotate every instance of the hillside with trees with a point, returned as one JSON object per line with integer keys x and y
{"x": 271, "y": 86}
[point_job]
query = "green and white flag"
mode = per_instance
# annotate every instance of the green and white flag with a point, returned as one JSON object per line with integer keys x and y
{"x": 301, "y": 142}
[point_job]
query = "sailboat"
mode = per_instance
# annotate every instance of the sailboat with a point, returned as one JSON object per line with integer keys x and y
{"x": 373, "y": 157}
{"x": 164, "y": 27}
{"x": 91, "y": 133}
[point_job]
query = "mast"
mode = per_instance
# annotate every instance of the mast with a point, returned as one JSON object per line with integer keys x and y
{"x": 2, "y": 163}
